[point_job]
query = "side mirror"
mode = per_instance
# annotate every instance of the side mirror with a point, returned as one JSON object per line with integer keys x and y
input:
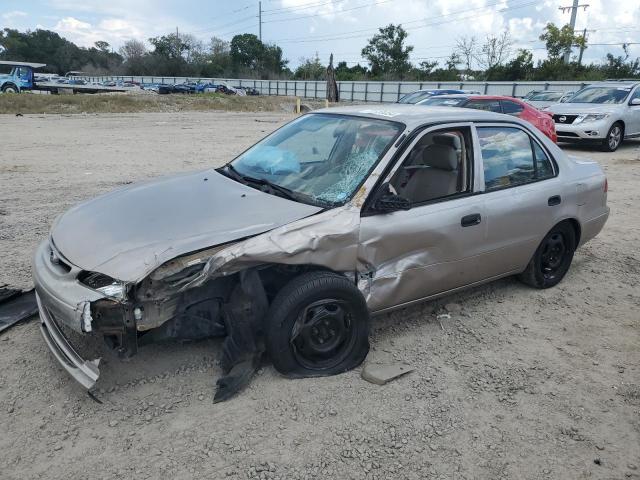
{"x": 387, "y": 202}
{"x": 635, "y": 101}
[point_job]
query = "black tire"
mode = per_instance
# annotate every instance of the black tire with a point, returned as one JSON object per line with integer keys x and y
{"x": 335, "y": 336}
{"x": 552, "y": 259}
{"x": 9, "y": 89}
{"x": 614, "y": 138}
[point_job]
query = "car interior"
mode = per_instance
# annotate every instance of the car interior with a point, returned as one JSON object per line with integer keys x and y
{"x": 438, "y": 166}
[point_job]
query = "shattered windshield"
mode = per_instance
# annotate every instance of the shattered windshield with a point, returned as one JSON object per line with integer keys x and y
{"x": 319, "y": 158}
{"x": 600, "y": 95}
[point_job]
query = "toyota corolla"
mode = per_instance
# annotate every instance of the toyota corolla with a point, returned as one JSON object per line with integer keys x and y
{"x": 290, "y": 248}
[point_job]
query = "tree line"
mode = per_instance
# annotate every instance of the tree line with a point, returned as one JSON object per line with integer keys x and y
{"x": 387, "y": 54}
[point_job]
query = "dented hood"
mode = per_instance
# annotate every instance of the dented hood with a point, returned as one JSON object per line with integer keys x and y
{"x": 129, "y": 232}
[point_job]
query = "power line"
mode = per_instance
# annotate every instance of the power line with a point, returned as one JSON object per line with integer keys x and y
{"x": 346, "y": 36}
{"x": 225, "y": 26}
{"x": 304, "y": 6}
{"x": 322, "y": 14}
{"x": 375, "y": 29}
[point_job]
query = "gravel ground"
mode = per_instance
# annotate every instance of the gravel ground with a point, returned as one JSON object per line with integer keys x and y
{"x": 517, "y": 383}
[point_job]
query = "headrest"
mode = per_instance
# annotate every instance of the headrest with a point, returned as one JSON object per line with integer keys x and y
{"x": 447, "y": 139}
{"x": 442, "y": 157}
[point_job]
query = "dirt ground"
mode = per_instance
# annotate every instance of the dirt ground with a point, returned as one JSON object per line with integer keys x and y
{"x": 517, "y": 384}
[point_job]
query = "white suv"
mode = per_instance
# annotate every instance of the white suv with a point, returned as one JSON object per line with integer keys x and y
{"x": 605, "y": 113}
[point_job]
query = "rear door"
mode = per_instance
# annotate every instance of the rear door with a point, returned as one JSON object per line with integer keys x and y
{"x": 522, "y": 194}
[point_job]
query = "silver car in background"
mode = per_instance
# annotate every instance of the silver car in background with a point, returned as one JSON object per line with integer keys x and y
{"x": 546, "y": 98}
{"x": 602, "y": 113}
{"x": 290, "y": 248}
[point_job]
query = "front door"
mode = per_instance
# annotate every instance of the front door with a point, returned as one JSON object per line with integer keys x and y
{"x": 633, "y": 122}
{"x": 435, "y": 245}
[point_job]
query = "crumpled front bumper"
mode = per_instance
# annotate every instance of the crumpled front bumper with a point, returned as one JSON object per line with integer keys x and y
{"x": 61, "y": 302}
{"x": 83, "y": 371}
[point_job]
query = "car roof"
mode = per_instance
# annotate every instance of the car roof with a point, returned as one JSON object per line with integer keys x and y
{"x": 416, "y": 115}
{"x": 436, "y": 90}
{"x": 476, "y": 96}
{"x": 614, "y": 83}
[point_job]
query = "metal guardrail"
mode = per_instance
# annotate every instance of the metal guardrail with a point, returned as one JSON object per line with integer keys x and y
{"x": 359, "y": 91}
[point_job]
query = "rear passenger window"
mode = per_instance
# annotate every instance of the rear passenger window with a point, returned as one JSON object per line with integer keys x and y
{"x": 488, "y": 105}
{"x": 544, "y": 169}
{"x": 510, "y": 157}
{"x": 511, "y": 108}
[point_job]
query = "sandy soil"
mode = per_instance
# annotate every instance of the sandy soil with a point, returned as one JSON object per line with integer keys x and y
{"x": 518, "y": 383}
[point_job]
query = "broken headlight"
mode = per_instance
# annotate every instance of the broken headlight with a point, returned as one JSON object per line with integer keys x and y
{"x": 104, "y": 284}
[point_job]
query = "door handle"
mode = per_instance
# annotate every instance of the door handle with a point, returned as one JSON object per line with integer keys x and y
{"x": 470, "y": 220}
{"x": 555, "y": 200}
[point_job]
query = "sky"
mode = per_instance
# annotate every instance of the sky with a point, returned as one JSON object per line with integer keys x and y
{"x": 306, "y": 27}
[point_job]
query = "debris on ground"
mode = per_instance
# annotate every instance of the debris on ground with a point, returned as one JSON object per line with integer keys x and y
{"x": 383, "y": 374}
{"x": 15, "y": 306}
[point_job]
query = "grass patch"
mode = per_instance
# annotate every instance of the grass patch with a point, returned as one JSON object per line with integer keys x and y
{"x": 133, "y": 103}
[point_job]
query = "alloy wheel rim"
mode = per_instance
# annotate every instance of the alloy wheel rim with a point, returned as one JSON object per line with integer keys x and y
{"x": 614, "y": 137}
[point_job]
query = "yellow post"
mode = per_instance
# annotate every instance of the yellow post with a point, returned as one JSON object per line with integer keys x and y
{"x": 298, "y": 105}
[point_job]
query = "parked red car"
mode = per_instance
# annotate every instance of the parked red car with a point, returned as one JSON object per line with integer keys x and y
{"x": 543, "y": 121}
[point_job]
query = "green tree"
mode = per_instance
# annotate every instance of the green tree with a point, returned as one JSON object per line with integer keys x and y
{"x": 246, "y": 51}
{"x": 60, "y": 55}
{"x": 619, "y": 67}
{"x": 559, "y": 40}
{"x": 387, "y": 54}
{"x": 168, "y": 56}
{"x": 273, "y": 62}
{"x": 310, "y": 69}
{"x": 102, "y": 46}
{"x": 346, "y": 73}
{"x": 520, "y": 68}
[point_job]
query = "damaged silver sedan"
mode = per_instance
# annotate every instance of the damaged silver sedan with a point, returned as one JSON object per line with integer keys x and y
{"x": 291, "y": 247}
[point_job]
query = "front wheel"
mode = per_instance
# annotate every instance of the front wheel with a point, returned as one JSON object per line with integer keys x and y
{"x": 552, "y": 259}
{"x": 9, "y": 89}
{"x": 317, "y": 325}
{"x": 614, "y": 138}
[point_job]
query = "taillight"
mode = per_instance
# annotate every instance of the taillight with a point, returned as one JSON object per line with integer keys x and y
{"x": 606, "y": 185}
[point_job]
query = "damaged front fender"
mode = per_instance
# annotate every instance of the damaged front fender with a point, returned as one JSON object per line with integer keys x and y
{"x": 328, "y": 239}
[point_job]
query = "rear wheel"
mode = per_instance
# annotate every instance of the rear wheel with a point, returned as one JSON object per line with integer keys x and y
{"x": 317, "y": 325}
{"x": 552, "y": 259}
{"x": 614, "y": 138}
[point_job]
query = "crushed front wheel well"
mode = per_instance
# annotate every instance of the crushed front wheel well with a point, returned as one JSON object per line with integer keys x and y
{"x": 276, "y": 275}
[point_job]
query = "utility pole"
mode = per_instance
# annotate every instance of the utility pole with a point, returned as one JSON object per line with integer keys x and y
{"x": 260, "y": 21}
{"x": 572, "y": 23}
{"x": 583, "y": 46}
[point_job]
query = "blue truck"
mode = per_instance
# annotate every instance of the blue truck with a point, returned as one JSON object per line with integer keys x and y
{"x": 21, "y": 78}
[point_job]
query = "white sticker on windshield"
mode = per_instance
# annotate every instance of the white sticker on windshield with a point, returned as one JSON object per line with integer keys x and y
{"x": 382, "y": 113}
